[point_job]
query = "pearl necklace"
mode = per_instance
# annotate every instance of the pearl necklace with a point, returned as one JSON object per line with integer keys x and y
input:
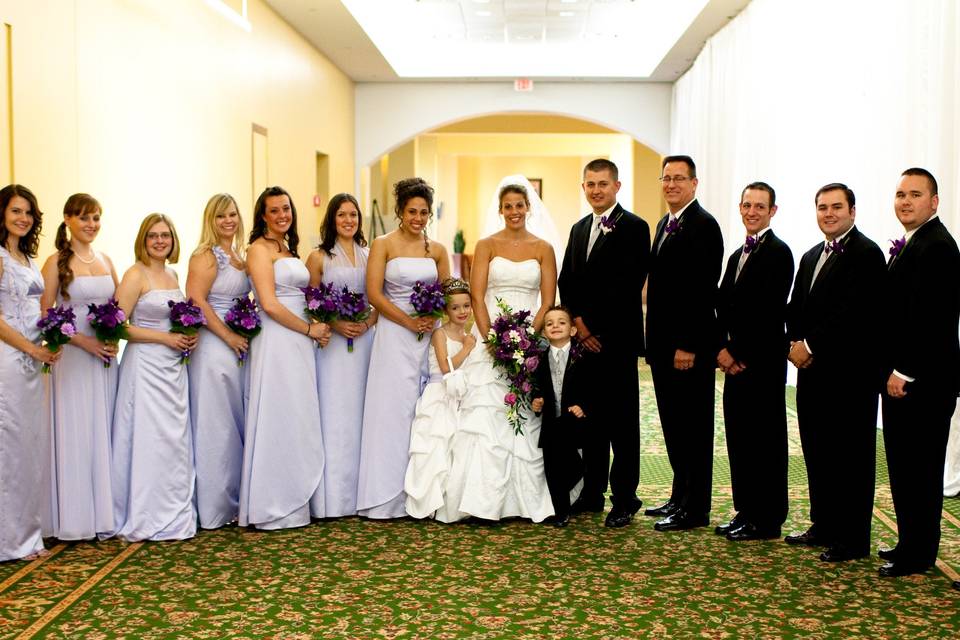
{"x": 90, "y": 260}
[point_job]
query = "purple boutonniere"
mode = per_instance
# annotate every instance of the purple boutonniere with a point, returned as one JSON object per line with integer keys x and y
{"x": 750, "y": 244}
{"x": 607, "y": 224}
{"x": 672, "y": 226}
{"x": 897, "y": 246}
{"x": 836, "y": 247}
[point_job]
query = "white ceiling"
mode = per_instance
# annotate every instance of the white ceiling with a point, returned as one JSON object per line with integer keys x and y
{"x": 390, "y": 40}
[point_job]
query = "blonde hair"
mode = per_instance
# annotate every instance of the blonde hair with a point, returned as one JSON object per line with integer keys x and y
{"x": 209, "y": 237}
{"x": 139, "y": 249}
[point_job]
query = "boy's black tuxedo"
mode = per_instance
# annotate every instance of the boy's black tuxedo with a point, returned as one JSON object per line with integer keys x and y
{"x": 752, "y": 314}
{"x": 561, "y": 436}
{"x": 606, "y": 291}
{"x": 837, "y": 394}
{"x": 922, "y": 310}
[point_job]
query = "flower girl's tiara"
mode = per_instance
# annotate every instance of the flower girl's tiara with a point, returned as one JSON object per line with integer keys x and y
{"x": 455, "y": 285}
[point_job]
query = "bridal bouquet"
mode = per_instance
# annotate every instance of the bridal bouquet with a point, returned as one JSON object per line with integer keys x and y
{"x": 185, "y": 318}
{"x": 56, "y": 329}
{"x": 516, "y": 350}
{"x": 109, "y": 323}
{"x": 427, "y": 300}
{"x": 323, "y": 303}
{"x": 243, "y": 318}
{"x": 353, "y": 308}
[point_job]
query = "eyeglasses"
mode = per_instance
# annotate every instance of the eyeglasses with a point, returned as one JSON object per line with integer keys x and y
{"x": 159, "y": 236}
{"x": 674, "y": 179}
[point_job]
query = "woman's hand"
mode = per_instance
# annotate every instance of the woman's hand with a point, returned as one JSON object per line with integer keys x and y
{"x": 319, "y": 331}
{"x": 180, "y": 342}
{"x": 103, "y": 351}
{"x": 350, "y": 329}
{"x": 238, "y": 343}
{"x": 423, "y": 324}
{"x": 44, "y": 355}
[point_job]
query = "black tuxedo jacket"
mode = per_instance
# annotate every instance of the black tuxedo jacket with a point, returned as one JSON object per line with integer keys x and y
{"x": 752, "y": 309}
{"x": 606, "y": 289}
{"x": 839, "y": 316}
{"x": 682, "y": 292}
{"x": 922, "y": 300}
{"x": 567, "y": 429}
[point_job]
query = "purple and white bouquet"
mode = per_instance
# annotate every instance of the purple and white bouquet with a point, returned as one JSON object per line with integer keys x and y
{"x": 56, "y": 329}
{"x": 427, "y": 300}
{"x": 323, "y": 303}
{"x": 516, "y": 350}
{"x": 243, "y": 318}
{"x": 353, "y": 308}
{"x": 185, "y": 318}
{"x": 109, "y": 323}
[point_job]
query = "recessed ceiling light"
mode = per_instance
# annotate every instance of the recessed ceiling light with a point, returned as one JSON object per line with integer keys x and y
{"x": 484, "y": 14}
{"x": 488, "y": 1}
{"x": 568, "y": 1}
{"x": 567, "y": 14}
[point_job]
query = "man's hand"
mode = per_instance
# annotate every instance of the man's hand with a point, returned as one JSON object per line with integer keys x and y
{"x": 895, "y": 386}
{"x": 727, "y": 363}
{"x": 576, "y": 410}
{"x": 537, "y": 405}
{"x": 683, "y": 360}
{"x": 799, "y": 355}
{"x": 586, "y": 339}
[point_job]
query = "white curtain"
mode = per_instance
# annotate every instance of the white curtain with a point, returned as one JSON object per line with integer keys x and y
{"x": 799, "y": 94}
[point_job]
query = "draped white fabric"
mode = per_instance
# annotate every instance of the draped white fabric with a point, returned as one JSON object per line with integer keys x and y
{"x": 799, "y": 94}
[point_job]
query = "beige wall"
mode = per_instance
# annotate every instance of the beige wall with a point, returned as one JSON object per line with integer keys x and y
{"x": 148, "y": 105}
{"x": 648, "y": 200}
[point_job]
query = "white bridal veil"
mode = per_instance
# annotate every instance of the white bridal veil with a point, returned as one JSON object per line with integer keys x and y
{"x": 539, "y": 221}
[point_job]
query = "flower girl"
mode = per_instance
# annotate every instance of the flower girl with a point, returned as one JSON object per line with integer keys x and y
{"x": 436, "y": 417}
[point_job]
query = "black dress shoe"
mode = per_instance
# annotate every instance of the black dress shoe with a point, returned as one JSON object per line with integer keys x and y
{"x": 664, "y": 510}
{"x": 724, "y": 529}
{"x": 840, "y": 553}
{"x": 890, "y": 555}
{"x": 749, "y": 531}
{"x": 618, "y": 518}
{"x": 559, "y": 521}
{"x": 582, "y": 506}
{"x": 897, "y": 569}
{"x": 681, "y": 521}
{"x": 956, "y": 585}
{"x": 808, "y": 538}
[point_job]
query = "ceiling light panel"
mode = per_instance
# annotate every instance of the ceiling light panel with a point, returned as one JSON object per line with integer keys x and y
{"x": 524, "y": 38}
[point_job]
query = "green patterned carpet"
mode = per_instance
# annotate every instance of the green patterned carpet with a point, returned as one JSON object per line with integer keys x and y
{"x": 359, "y": 579}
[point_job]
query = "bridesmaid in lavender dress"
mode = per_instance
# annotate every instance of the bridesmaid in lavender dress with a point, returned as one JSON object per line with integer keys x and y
{"x": 281, "y": 484}
{"x": 153, "y": 472}
{"x": 82, "y": 391}
{"x": 341, "y": 260}
{"x": 398, "y": 365}
{"x": 23, "y": 449}
{"x": 216, "y": 278}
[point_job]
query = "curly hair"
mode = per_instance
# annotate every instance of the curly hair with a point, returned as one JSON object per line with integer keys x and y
{"x": 260, "y": 224}
{"x": 328, "y": 228}
{"x": 29, "y": 244}
{"x": 76, "y": 205}
{"x": 406, "y": 190}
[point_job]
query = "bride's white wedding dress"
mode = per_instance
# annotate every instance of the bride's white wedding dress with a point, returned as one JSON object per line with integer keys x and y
{"x": 494, "y": 473}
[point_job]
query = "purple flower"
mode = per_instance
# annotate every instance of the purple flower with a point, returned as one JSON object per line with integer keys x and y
{"x": 672, "y": 226}
{"x": 427, "y": 301}
{"x": 185, "y": 318}
{"x": 750, "y": 244}
{"x": 68, "y": 329}
{"x": 56, "y": 329}
{"x": 526, "y": 387}
{"x": 109, "y": 323}
{"x": 510, "y": 398}
{"x": 322, "y": 303}
{"x": 607, "y": 224}
{"x": 897, "y": 246}
{"x": 532, "y": 363}
{"x": 353, "y": 308}
{"x": 243, "y": 318}
{"x": 835, "y": 246}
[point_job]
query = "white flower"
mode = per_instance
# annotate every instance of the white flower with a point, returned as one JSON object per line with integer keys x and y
{"x": 514, "y": 335}
{"x": 530, "y": 331}
{"x": 491, "y": 335}
{"x": 518, "y": 356}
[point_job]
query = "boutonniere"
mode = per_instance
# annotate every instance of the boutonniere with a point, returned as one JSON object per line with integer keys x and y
{"x": 751, "y": 244}
{"x": 672, "y": 227}
{"x": 607, "y": 224}
{"x": 836, "y": 246}
{"x": 576, "y": 351}
{"x": 897, "y": 246}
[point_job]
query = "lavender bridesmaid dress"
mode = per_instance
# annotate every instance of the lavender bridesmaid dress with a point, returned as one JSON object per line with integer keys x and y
{"x": 281, "y": 485}
{"x": 82, "y": 397}
{"x": 398, "y": 373}
{"x": 216, "y": 406}
{"x": 24, "y": 448}
{"x": 342, "y": 382}
{"x": 153, "y": 472}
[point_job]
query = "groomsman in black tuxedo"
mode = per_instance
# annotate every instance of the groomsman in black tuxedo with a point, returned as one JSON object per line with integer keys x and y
{"x": 752, "y": 314}
{"x": 601, "y": 282}
{"x": 682, "y": 342}
{"x": 832, "y": 326}
{"x": 921, "y": 357}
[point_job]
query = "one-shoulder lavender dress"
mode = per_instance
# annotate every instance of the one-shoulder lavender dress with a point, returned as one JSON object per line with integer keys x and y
{"x": 216, "y": 405}
{"x": 398, "y": 373}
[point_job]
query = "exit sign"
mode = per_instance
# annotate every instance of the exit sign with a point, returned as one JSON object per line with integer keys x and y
{"x": 523, "y": 84}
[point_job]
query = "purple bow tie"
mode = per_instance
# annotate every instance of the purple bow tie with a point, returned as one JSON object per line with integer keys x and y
{"x": 750, "y": 244}
{"x": 897, "y": 246}
{"x": 836, "y": 246}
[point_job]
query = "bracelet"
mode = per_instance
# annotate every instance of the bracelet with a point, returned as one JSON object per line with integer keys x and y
{"x": 308, "y": 329}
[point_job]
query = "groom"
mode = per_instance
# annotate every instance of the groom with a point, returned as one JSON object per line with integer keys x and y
{"x": 601, "y": 282}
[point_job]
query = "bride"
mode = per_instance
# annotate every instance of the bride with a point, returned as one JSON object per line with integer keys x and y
{"x": 496, "y": 474}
